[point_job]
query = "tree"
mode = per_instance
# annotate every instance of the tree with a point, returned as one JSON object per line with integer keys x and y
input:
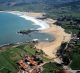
{"x": 52, "y": 68}
{"x": 78, "y": 35}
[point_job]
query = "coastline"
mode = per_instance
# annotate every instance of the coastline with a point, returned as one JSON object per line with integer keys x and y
{"x": 27, "y": 16}
{"x": 48, "y": 26}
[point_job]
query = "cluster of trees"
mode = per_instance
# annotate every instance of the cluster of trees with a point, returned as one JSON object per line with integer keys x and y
{"x": 76, "y": 54}
{"x": 69, "y": 23}
{"x": 52, "y": 68}
{"x": 69, "y": 20}
{"x": 65, "y": 53}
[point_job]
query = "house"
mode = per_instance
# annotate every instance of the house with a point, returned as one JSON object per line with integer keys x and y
{"x": 36, "y": 69}
{"x": 29, "y": 64}
{"x": 31, "y": 60}
{"x": 67, "y": 71}
{"x": 23, "y": 65}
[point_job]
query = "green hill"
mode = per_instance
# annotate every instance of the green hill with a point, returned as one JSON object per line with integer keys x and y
{"x": 53, "y": 7}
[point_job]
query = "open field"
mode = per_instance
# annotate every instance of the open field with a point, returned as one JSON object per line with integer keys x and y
{"x": 10, "y": 56}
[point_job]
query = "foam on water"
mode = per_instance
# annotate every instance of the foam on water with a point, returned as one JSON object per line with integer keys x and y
{"x": 42, "y": 24}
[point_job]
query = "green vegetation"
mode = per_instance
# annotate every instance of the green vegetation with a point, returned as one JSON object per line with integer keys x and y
{"x": 72, "y": 24}
{"x": 75, "y": 56}
{"x": 54, "y": 8}
{"x": 52, "y": 68}
{"x": 10, "y": 56}
{"x": 8, "y": 59}
{"x": 75, "y": 65}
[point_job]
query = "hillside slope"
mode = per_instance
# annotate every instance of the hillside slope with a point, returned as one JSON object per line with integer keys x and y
{"x": 58, "y": 7}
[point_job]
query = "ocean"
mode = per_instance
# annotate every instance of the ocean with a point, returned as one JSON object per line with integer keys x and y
{"x": 10, "y": 24}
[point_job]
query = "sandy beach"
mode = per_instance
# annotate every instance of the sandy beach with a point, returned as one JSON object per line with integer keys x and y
{"x": 50, "y": 48}
{"x": 48, "y": 26}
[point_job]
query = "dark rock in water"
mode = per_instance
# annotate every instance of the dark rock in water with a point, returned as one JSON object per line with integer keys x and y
{"x": 27, "y": 31}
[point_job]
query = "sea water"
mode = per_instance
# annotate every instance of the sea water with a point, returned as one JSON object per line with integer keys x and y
{"x": 10, "y": 24}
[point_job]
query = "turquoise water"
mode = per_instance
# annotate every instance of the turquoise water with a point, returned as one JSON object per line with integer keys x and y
{"x": 9, "y": 26}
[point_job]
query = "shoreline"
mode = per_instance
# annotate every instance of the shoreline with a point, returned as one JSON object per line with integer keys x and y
{"x": 42, "y": 24}
{"x": 49, "y": 48}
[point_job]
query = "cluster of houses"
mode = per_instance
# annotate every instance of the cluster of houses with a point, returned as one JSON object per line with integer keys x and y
{"x": 29, "y": 64}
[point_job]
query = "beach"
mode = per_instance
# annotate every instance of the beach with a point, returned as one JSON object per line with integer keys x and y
{"x": 47, "y": 25}
{"x": 50, "y": 48}
{"x": 32, "y": 17}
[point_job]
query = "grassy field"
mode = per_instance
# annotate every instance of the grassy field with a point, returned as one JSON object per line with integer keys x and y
{"x": 10, "y": 56}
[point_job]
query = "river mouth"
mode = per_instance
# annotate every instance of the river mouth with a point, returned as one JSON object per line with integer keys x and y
{"x": 10, "y": 24}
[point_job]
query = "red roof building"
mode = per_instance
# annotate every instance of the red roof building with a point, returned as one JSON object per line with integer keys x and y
{"x": 23, "y": 65}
